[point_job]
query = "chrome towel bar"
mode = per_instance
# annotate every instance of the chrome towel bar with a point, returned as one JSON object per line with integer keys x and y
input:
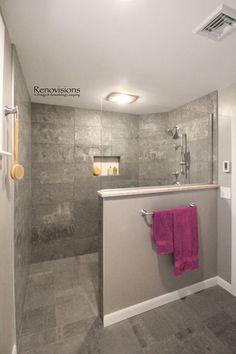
{"x": 144, "y": 212}
{"x": 7, "y": 111}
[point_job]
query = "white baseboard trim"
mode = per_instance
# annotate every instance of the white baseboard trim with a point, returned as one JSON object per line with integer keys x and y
{"x": 134, "y": 310}
{"x": 224, "y": 284}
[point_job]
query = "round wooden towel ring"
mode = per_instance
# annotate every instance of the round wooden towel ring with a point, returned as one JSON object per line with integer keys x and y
{"x": 17, "y": 172}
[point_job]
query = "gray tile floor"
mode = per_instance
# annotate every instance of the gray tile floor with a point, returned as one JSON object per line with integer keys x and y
{"x": 61, "y": 317}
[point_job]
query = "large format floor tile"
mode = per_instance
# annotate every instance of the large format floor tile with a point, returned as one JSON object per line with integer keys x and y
{"x": 61, "y": 317}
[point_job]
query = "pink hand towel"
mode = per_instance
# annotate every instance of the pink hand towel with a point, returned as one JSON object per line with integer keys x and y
{"x": 185, "y": 228}
{"x": 162, "y": 231}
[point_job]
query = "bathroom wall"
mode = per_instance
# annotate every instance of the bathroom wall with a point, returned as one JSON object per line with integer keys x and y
{"x": 22, "y": 193}
{"x": 227, "y": 101}
{"x": 7, "y": 303}
{"x": 132, "y": 271}
{"x": 64, "y": 141}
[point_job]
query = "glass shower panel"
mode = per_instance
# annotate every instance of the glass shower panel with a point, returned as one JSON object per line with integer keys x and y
{"x": 152, "y": 149}
{"x": 88, "y": 132}
{"x": 192, "y": 151}
{"x": 119, "y": 148}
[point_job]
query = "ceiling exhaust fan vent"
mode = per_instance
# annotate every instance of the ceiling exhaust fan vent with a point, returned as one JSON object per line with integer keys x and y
{"x": 219, "y": 24}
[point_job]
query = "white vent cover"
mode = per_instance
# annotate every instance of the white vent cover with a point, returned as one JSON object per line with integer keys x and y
{"x": 219, "y": 24}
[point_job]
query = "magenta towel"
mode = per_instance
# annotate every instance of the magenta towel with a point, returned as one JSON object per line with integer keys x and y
{"x": 185, "y": 237}
{"x": 162, "y": 231}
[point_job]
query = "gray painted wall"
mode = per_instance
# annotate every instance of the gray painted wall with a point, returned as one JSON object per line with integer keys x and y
{"x": 7, "y": 303}
{"x": 132, "y": 270}
{"x": 227, "y": 101}
{"x": 22, "y": 194}
{"x": 64, "y": 141}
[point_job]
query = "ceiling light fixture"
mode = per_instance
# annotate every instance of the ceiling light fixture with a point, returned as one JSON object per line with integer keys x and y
{"x": 121, "y": 98}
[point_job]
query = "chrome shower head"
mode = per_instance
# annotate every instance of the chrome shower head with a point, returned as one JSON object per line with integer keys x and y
{"x": 173, "y": 132}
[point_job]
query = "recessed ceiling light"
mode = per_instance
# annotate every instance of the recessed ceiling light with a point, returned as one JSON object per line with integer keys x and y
{"x": 121, "y": 98}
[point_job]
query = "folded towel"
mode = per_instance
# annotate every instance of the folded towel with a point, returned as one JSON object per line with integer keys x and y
{"x": 162, "y": 231}
{"x": 185, "y": 239}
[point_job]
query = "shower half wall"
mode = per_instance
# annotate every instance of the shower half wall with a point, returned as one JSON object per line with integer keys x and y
{"x": 64, "y": 142}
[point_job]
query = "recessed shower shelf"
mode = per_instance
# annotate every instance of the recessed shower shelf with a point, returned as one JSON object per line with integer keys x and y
{"x": 106, "y": 165}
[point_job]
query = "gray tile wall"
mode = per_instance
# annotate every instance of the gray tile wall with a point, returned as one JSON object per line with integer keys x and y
{"x": 154, "y": 150}
{"x": 22, "y": 203}
{"x": 53, "y": 174}
{"x": 120, "y": 137}
{"x": 64, "y": 141}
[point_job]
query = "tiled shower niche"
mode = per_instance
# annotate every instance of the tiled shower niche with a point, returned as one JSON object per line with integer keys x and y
{"x": 106, "y": 166}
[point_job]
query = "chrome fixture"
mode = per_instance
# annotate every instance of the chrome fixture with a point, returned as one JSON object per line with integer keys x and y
{"x": 185, "y": 161}
{"x": 7, "y": 110}
{"x": 174, "y": 132}
{"x": 176, "y": 146}
{"x": 144, "y": 212}
{"x": 176, "y": 174}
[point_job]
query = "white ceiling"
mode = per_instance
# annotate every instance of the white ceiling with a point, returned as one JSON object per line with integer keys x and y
{"x": 145, "y": 47}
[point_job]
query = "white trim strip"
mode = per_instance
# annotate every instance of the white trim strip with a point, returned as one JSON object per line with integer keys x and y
{"x": 14, "y": 350}
{"x": 123, "y": 192}
{"x": 134, "y": 310}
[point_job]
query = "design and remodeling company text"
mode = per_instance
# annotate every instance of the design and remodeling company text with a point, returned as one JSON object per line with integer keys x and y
{"x": 57, "y": 91}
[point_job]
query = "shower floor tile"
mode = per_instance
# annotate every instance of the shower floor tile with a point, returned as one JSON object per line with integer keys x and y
{"x": 61, "y": 317}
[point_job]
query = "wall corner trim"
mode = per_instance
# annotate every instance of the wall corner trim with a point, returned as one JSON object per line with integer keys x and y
{"x": 224, "y": 284}
{"x": 14, "y": 350}
{"x": 148, "y": 305}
